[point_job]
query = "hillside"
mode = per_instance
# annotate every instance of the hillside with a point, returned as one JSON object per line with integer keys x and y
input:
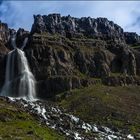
{"x": 115, "y": 107}
{"x": 88, "y": 67}
{"x": 17, "y": 124}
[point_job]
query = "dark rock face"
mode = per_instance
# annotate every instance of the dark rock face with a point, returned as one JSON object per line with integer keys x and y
{"x": 55, "y": 61}
{"x": 2, "y": 70}
{"x": 4, "y": 36}
{"x": 103, "y": 59}
{"x": 55, "y": 85}
{"x": 128, "y": 62}
{"x": 48, "y": 61}
{"x": 137, "y": 58}
{"x": 132, "y": 38}
{"x": 20, "y": 36}
{"x": 75, "y": 27}
{"x": 66, "y": 52}
{"x": 39, "y": 25}
{"x": 121, "y": 80}
{"x": 4, "y": 32}
{"x": 61, "y": 48}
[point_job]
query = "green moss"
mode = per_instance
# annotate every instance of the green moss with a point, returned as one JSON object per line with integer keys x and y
{"x": 135, "y": 128}
{"x": 27, "y": 130}
{"x": 117, "y": 74}
{"x": 134, "y": 46}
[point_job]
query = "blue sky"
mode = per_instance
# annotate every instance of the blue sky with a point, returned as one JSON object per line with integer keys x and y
{"x": 20, "y": 13}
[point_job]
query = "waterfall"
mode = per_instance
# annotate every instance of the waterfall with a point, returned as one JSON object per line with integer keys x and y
{"x": 24, "y": 43}
{"x": 13, "y": 40}
{"x": 19, "y": 80}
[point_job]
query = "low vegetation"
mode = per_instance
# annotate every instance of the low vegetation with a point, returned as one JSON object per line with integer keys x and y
{"x": 116, "y": 107}
{"x": 16, "y": 124}
{"x": 134, "y": 46}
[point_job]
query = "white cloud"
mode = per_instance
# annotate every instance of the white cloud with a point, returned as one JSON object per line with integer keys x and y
{"x": 20, "y": 13}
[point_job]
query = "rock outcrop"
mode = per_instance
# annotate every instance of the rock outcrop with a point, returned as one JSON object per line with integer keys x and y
{"x": 128, "y": 62}
{"x": 4, "y": 32}
{"x": 4, "y": 36}
{"x": 121, "y": 80}
{"x": 66, "y": 52}
{"x": 64, "y": 46}
{"x": 132, "y": 38}
{"x": 20, "y": 37}
{"x": 77, "y": 27}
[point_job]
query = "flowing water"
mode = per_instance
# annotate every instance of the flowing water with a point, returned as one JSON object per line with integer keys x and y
{"x": 19, "y": 80}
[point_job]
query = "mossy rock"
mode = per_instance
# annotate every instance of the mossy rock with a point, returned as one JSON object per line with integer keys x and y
{"x": 16, "y": 124}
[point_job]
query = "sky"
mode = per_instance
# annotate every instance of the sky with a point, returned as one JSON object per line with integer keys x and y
{"x": 20, "y": 13}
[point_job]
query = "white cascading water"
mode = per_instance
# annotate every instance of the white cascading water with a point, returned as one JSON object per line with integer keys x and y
{"x": 19, "y": 80}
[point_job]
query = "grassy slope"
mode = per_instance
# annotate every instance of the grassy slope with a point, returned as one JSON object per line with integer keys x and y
{"x": 112, "y": 106}
{"x": 17, "y": 124}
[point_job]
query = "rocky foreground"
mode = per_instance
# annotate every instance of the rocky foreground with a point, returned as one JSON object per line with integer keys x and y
{"x": 17, "y": 124}
{"x": 70, "y": 126}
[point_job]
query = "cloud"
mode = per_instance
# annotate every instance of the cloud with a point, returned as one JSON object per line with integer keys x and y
{"x": 20, "y": 13}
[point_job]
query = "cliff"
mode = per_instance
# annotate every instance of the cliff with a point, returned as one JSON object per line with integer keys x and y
{"x": 74, "y": 51}
{"x": 65, "y": 53}
{"x": 77, "y": 27}
{"x": 89, "y": 67}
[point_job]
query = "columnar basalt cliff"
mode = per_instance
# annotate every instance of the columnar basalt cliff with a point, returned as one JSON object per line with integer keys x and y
{"x": 75, "y": 27}
{"x": 66, "y": 52}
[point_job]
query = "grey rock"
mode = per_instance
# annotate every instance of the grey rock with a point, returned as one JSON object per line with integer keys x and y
{"x": 74, "y": 27}
{"x": 132, "y": 38}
